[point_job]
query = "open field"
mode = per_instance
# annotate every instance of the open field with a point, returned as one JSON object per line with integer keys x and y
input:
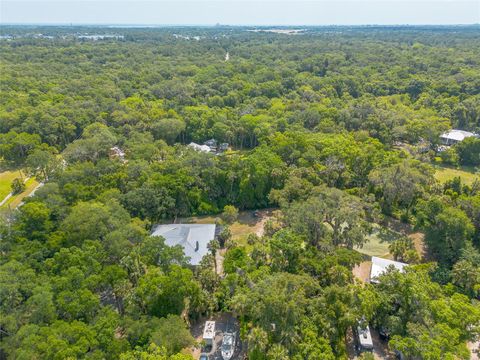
{"x": 378, "y": 242}
{"x": 467, "y": 174}
{"x": 381, "y": 238}
{"x": 6, "y": 178}
{"x": 374, "y": 247}
{"x": 16, "y": 200}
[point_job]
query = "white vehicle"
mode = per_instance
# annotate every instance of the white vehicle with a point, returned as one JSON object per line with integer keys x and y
{"x": 228, "y": 346}
{"x": 364, "y": 338}
{"x": 209, "y": 333}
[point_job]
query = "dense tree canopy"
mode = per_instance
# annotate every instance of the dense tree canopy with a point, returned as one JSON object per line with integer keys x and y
{"x": 337, "y": 128}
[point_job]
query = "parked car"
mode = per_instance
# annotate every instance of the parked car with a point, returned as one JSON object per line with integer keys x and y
{"x": 384, "y": 333}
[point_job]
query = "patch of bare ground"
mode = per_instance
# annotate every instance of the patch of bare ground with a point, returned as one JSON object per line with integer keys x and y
{"x": 418, "y": 241}
{"x": 362, "y": 271}
{"x": 474, "y": 348}
{"x": 250, "y": 222}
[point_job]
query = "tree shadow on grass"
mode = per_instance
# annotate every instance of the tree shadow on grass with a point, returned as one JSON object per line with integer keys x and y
{"x": 386, "y": 235}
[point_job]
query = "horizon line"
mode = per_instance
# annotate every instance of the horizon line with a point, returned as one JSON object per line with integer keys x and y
{"x": 231, "y": 25}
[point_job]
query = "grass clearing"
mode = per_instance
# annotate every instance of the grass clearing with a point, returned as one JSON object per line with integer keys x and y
{"x": 6, "y": 179}
{"x": 16, "y": 200}
{"x": 378, "y": 242}
{"x": 467, "y": 174}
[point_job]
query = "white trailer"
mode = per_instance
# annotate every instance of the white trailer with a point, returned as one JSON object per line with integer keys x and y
{"x": 209, "y": 332}
{"x": 364, "y": 336}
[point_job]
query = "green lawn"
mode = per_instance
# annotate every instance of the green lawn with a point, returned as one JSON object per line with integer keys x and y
{"x": 467, "y": 174}
{"x": 6, "y": 178}
{"x": 14, "y": 201}
{"x": 378, "y": 241}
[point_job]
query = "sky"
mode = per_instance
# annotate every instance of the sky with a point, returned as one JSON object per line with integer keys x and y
{"x": 240, "y": 12}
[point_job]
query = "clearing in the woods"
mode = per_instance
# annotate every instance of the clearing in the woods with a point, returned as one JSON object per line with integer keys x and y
{"x": 467, "y": 174}
{"x": 6, "y": 179}
{"x": 8, "y": 201}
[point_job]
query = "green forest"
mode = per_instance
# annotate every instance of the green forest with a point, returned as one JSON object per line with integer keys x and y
{"x": 335, "y": 130}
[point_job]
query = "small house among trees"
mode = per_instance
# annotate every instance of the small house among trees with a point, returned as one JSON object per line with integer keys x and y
{"x": 209, "y": 146}
{"x": 198, "y": 147}
{"x": 193, "y": 238}
{"x": 380, "y": 267}
{"x": 455, "y": 136}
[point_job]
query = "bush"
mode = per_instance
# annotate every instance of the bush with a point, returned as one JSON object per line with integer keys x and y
{"x": 230, "y": 214}
{"x": 450, "y": 157}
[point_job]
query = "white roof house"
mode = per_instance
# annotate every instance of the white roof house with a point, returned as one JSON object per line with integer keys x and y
{"x": 380, "y": 266}
{"x": 454, "y": 136}
{"x": 193, "y": 238}
{"x": 209, "y": 332}
{"x": 198, "y": 147}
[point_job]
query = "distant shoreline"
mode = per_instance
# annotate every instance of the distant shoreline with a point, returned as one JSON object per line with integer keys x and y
{"x": 146, "y": 26}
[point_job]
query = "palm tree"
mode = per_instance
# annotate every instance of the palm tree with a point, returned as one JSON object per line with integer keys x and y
{"x": 213, "y": 246}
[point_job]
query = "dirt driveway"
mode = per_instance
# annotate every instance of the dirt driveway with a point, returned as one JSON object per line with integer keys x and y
{"x": 249, "y": 222}
{"x": 362, "y": 271}
{"x": 224, "y": 322}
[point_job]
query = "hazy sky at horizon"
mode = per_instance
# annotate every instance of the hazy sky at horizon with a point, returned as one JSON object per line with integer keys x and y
{"x": 240, "y": 12}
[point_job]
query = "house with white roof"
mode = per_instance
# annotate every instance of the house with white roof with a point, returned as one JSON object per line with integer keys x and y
{"x": 193, "y": 238}
{"x": 455, "y": 136}
{"x": 198, "y": 147}
{"x": 380, "y": 267}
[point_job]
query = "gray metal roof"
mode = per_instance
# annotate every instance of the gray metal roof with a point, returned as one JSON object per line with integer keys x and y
{"x": 187, "y": 236}
{"x": 197, "y": 147}
{"x": 380, "y": 266}
{"x": 456, "y": 135}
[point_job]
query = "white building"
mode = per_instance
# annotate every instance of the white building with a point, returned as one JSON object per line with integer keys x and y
{"x": 198, "y": 147}
{"x": 193, "y": 238}
{"x": 455, "y": 136}
{"x": 380, "y": 266}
